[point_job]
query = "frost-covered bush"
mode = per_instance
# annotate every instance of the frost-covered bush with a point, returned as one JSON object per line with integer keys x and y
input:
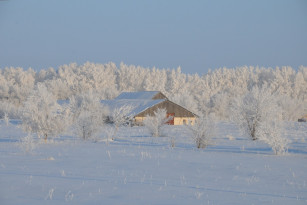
{"x": 88, "y": 115}
{"x": 6, "y": 119}
{"x": 156, "y": 122}
{"x": 7, "y": 108}
{"x": 27, "y": 143}
{"x": 121, "y": 116}
{"x": 260, "y": 117}
{"x": 273, "y": 137}
{"x": 291, "y": 107}
{"x": 254, "y": 110}
{"x": 41, "y": 114}
{"x": 86, "y": 126}
{"x": 109, "y": 132}
{"x": 202, "y": 130}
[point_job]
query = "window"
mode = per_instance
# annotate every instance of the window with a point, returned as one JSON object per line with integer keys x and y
{"x": 184, "y": 121}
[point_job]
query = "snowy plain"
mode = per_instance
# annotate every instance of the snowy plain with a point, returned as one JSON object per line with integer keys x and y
{"x": 135, "y": 168}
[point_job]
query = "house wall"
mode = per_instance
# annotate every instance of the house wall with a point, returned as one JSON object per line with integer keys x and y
{"x": 184, "y": 120}
{"x": 170, "y": 108}
{"x": 177, "y": 120}
{"x": 181, "y": 115}
{"x": 138, "y": 120}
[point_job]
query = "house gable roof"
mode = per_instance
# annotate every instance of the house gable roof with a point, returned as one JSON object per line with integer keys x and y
{"x": 144, "y": 95}
{"x": 171, "y": 107}
{"x": 136, "y": 105}
{"x": 145, "y": 102}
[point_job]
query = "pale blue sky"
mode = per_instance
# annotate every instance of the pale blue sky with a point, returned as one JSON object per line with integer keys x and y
{"x": 195, "y": 34}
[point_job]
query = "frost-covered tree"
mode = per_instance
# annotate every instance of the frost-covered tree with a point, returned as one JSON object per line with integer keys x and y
{"x": 259, "y": 117}
{"x": 254, "y": 109}
{"x": 175, "y": 81}
{"x": 18, "y": 85}
{"x": 75, "y": 79}
{"x": 202, "y": 130}
{"x": 88, "y": 115}
{"x": 121, "y": 116}
{"x": 155, "y": 79}
{"x": 11, "y": 110}
{"x": 130, "y": 77}
{"x": 156, "y": 122}
{"x": 219, "y": 105}
{"x": 209, "y": 93}
{"x": 41, "y": 114}
{"x": 186, "y": 100}
{"x": 4, "y": 87}
{"x": 44, "y": 75}
{"x": 6, "y": 119}
{"x": 292, "y": 108}
{"x": 272, "y": 135}
{"x": 87, "y": 125}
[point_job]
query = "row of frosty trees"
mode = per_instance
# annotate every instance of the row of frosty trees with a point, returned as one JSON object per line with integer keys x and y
{"x": 254, "y": 97}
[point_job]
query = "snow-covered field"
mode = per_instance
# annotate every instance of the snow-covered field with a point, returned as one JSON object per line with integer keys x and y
{"x": 138, "y": 169}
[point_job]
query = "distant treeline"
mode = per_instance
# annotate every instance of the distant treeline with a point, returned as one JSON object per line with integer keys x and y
{"x": 210, "y": 93}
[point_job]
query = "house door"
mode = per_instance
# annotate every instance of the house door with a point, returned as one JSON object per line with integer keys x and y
{"x": 171, "y": 121}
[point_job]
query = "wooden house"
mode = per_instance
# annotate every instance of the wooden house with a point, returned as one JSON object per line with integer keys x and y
{"x": 146, "y": 102}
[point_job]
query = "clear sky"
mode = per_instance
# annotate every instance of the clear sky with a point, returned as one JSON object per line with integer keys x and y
{"x": 194, "y": 34}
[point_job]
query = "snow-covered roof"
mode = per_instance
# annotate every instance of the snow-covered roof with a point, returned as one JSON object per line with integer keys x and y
{"x": 137, "y": 105}
{"x": 149, "y": 95}
{"x": 63, "y": 102}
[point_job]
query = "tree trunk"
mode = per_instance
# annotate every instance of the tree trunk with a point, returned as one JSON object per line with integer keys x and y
{"x": 45, "y": 138}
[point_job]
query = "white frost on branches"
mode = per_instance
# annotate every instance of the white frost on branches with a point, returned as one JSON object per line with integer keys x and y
{"x": 27, "y": 144}
{"x": 273, "y": 137}
{"x": 259, "y": 117}
{"x": 6, "y": 119}
{"x": 88, "y": 115}
{"x": 208, "y": 93}
{"x": 156, "y": 122}
{"x": 203, "y": 130}
{"x": 121, "y": 116}
{"x": 42, "y": 114}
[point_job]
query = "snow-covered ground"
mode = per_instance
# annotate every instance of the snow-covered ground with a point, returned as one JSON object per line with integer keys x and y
{"x": 138, "y": 169}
